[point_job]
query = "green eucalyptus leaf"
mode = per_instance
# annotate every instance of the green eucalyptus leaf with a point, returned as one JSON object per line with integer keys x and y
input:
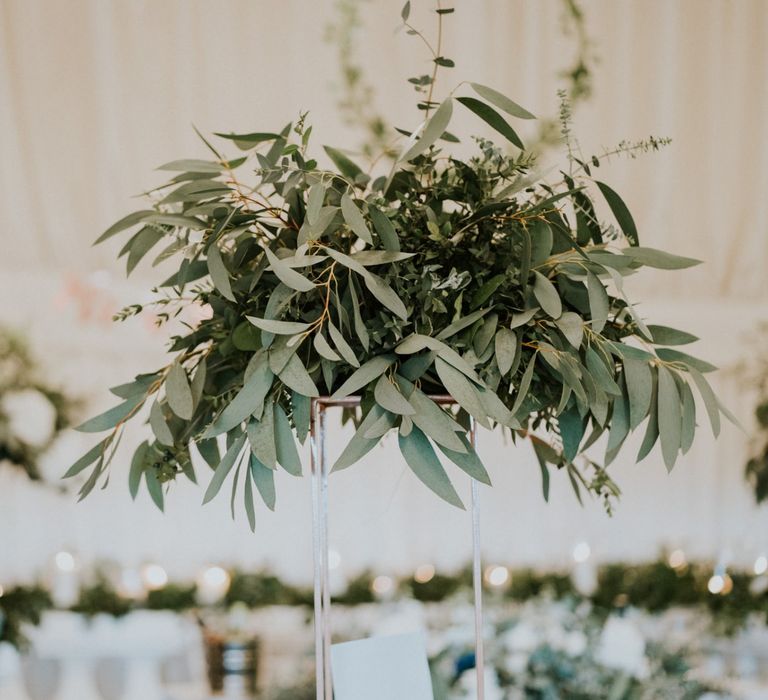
{"x": 432, "y": 419}
{"x": 546, "y": 294}
{"x": 343, "y": 163}
{"x": 390, "y": 398}
{"x": 247, "y": 402}
{"x": 301, "y": 415}
{"x": 461, "y": 323}
{"x": 461, "y": 389}
{"x": 433, "y": 130}
{"x": 179, "y": 392}
{"x": 501, "y": 101}
{"x": 382, "y": 426}
{"x": 709, "y": 398}
{"x": 224, "y": 468}
{"x": 295, "y": 376}
{"x": 651, "y": 430}
{"x": 619, "y": 428}
{"x": 198, "y": 381}
{"x": 659, "y": 259}
{"x": 491, "y": 117}
{"x": 663, "y": 335}
{"x": 571, "y": 431}
{"x": 602, "y": 373}
{"x": 264, "y": 478}
{"x": 88, "y": 458}
{"x": 360, "y": 329}
{"x": 324, "y": 349}
{"x": 193, "y": 165}
{"x": 287, "y": 454}
{"x": 138, "y": 465}
{"x": 571, "y": 326}
{"x": 542, "y": 241}
{"x": 126, "y": 222}
{"x": 279, "y": 327}
{"x": 385, "y": 229}
{"x": 599, "y": 304}
{"x": 670, "y": 355}
{"x": 248, "y": 499}
{"x": 359, "y": 445}
{"x": 424, "y": 463}
{"x": 177, "y": 221}
{"x": 688, "y": 427}
{"x": 219, "y": 273}
{"x": 369, "y": 258}
{"x": 249, "y": 140}
{"x": 209, "y": 451}
{"x": 111, "y": 418}
{"x": 467, "y": 460}
{"x": 639, "y": 378}
{"x": 620, "y": 211}
{"x": 354, "y": 219}
{"x": 670, "y": 417}
{"x": 289, "y": 277}
{"x": 486, "y": 291}
{"x": 160, "y": 426}
{"x": 261, "y": 437}
{"x": 155, "y": 488}
{"x": 525, "y": 383}
{"x": 315, "y": 199}
{"x": 364, "y": 375}
{"x": 522, "y": 318}
{"x": 342, "y": 345}
{"x": 141, "y": 244}
{"x": 505, "y": 347}
{"x": 386, "y": 295}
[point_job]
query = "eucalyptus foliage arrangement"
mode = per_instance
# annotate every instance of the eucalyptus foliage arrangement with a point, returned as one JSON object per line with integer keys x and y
{"x": 473, "y": 278}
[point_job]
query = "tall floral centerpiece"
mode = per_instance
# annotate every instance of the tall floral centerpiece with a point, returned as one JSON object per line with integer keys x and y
{"x": 472, "y": 277}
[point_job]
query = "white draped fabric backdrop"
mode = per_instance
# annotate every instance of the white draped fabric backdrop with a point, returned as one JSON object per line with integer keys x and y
{"x": 95, "y": 93}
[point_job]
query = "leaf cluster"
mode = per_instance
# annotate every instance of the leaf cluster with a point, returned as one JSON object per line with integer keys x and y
{"x": 475, "y": 279}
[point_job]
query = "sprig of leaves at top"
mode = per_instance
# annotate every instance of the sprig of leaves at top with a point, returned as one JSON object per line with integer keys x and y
{"x": 473, "y": 278}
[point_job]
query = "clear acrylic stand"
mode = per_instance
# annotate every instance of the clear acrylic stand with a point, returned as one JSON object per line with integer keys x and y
{"x": 322, "y": 592}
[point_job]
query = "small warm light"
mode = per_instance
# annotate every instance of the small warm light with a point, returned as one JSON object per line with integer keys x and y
{"x": 215, "y": 577}
{"x": 727, "y": 585}
{"x": 716, "y": 584}
{"x": 65, "y": 562}
{"x": 497, "y": 575}
{"x": 334, "y": 559}
{"x": 382, "y": 585}
{"x": 677, "y": 559}
{"x": 581, "y": 552}
{"x": 424, "y": 573}
{"x": 154, "y": 576}
{"x": 130, "y": 585}
{"x": 2, "y": 591}
{"x": 212, "y": 585}
{"x": 761, "y": 565}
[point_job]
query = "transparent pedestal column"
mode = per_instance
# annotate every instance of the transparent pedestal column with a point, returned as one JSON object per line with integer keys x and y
{"x": 322, "y": 592}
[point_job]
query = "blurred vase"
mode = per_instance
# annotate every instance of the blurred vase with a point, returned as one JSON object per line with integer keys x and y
{"x": 233, "y": 664}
